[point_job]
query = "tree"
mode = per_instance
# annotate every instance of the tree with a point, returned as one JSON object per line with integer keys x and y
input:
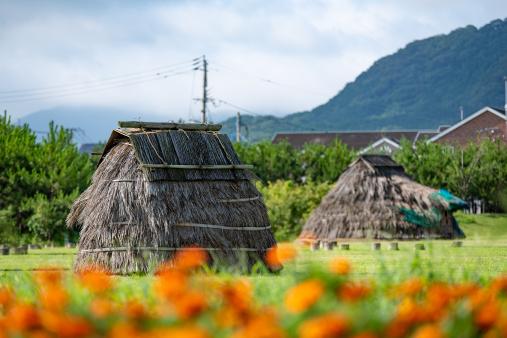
{"x": 38, "y": 181}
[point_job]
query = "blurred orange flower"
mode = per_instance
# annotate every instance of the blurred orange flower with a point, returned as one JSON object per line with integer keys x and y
{"x": 302, "y": 296}
{"x": 48, "y": 276}
{"x": 279, "y": 254}
{"x": 190, "y": 305}
{"x": 170, "y": 284}
{"x": 410, "y": 287}
{"x": 190, "y": 258}
{"x": 428, "y": 331}
{"x": 186, "y": 331}
{"x": 96, "y": 281}
{"x": 340, "y": 266}
{"x": 124, "y": 330}
{"x": 488, "y": 314}
{"x": 22, "y": 316}
{"x": 238, "y": 294}
{"x": 64, "y": 325}
{"x": 326, "y": 326}
{"x": 53, "y": 297}
{"x": 134, "y": 309}
{"x": 6, "y": 296}
{"x": 263, "y": 324}
{"x": 499, "y": 284}
{"x": 365, "y": 335}
{"x": 101, "y": 307}
{"x": 351, "y": 291}
{"x": 237, "y": 297}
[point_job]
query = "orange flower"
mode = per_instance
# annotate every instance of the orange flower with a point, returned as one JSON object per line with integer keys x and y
{"x": 263, "y": 324}
{"x": 340, "y": 266}
{"x": 409, "y": 288}
{"x": 133, "y": 309}
{"x": 190, "y": 305}
{"x": 187, "y": 331}
{"x": 96, "y": 281}
{"x": 74, "y": 326}
{"x": 279, "y": 254}
{"x": 301, "y": 297}
{"x": 462, "y": 290}
{"x": 409, "y": 311}
{"x": 6, "y": 296}
{"x": 365, "y": 335}
{"x": 171, "y": 284}
{"x": 326, "y": 326}
{"x": 190, "y": 258}
{"x": 352, "y": 292}
{"x": 439, "y": 294}
{"x": 397, "y": 328}
{"x": 48, "y": 276}
{"x": 428, "y": 331}
{"x": 124, "y": 330}
{"x": 488, "y": 314}
{"x": 499, "y": 284}
{"x": 101, "y": 307}
{"x": 53, "y": 298}
{"x": 238, "y": 294}
{"x": 22, "y": 317}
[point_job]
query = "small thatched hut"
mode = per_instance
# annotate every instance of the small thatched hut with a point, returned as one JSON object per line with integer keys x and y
{"x": 160, "y": 187}
{"x": 375, "y": 198}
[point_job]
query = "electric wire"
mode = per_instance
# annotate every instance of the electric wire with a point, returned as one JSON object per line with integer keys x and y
{"x": 176, "y": 66}
{"x": 156, "y": 77}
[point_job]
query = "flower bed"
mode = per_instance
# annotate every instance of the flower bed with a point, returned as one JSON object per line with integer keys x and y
{"x": 186, "y": 301}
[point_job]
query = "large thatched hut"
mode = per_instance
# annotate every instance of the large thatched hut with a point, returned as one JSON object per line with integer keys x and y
{"x": 160, "y": 187}
{"x": 375, "y": 198}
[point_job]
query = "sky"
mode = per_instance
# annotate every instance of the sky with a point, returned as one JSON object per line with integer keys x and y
{"x": 265, "y": 57}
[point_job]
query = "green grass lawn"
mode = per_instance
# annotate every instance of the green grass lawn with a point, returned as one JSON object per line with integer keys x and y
{"x": 483, "y": 255}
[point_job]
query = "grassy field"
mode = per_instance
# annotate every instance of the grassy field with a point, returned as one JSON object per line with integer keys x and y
{"x": 483, "y": 255}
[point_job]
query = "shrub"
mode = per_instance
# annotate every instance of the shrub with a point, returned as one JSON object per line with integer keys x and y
{"x": 289, "y": 205}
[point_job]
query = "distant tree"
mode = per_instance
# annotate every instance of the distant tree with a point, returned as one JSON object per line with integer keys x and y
{"x": 477, "y": 171}
{"x": 38, "y": 181}
{"x": 280, "y": 161}
{"x": 271, "y": 161}
{"x": 322, "y": 163}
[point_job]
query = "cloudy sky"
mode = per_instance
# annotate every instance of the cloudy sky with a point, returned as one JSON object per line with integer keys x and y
{"x": 267, "y": 57}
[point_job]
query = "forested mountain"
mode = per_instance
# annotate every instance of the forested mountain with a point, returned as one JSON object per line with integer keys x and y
{"x": 420, "y": 86}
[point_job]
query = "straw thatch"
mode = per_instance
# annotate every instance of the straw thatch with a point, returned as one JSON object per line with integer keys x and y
{"x": 140, "y": 208}
{"x": 375, "y": 198}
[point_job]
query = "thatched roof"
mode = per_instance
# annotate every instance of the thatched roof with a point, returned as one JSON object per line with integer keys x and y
{"x": 157, "y": 190}
{"x": 375, "y": 198}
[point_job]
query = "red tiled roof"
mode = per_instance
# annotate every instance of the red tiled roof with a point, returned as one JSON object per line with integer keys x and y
{"x": 353, "y": 139}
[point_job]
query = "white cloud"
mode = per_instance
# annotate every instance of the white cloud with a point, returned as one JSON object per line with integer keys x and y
{"x": 312, "y": 47}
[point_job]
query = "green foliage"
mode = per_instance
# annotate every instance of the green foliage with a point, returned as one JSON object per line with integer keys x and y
{"x": 314, "y": 162}
{"x": 290, "y": 204}
{"x": 477, "y": 171}
{"x": 38, "y": 181}
{"x": 420, "y": 86}
{"x": 271, "y": 161}
{"x": 324, "y": 163}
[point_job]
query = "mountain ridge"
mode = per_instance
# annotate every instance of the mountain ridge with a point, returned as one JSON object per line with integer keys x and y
{"x": 421, "y": 85}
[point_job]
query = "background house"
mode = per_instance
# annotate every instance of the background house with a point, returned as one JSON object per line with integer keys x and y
{"x": 361, "y": 141}
{"x": 487, "y": 123}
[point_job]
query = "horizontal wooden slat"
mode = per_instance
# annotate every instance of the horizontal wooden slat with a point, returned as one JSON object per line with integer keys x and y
{"x": 196, "y": 166}
{"x": 170, "y": 126}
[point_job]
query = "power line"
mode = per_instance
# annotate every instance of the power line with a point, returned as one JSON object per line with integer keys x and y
{"x": 96, "y": 89}
{"x": 266, "y": 80}
{"x": 92, "y": 86}
{"x": 237, "y": 107}
{"x": 177, "y": 66}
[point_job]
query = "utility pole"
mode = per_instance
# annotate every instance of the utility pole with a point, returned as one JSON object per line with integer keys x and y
{"x": 238, "y": 127}
{"x": 204, "y": 88}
